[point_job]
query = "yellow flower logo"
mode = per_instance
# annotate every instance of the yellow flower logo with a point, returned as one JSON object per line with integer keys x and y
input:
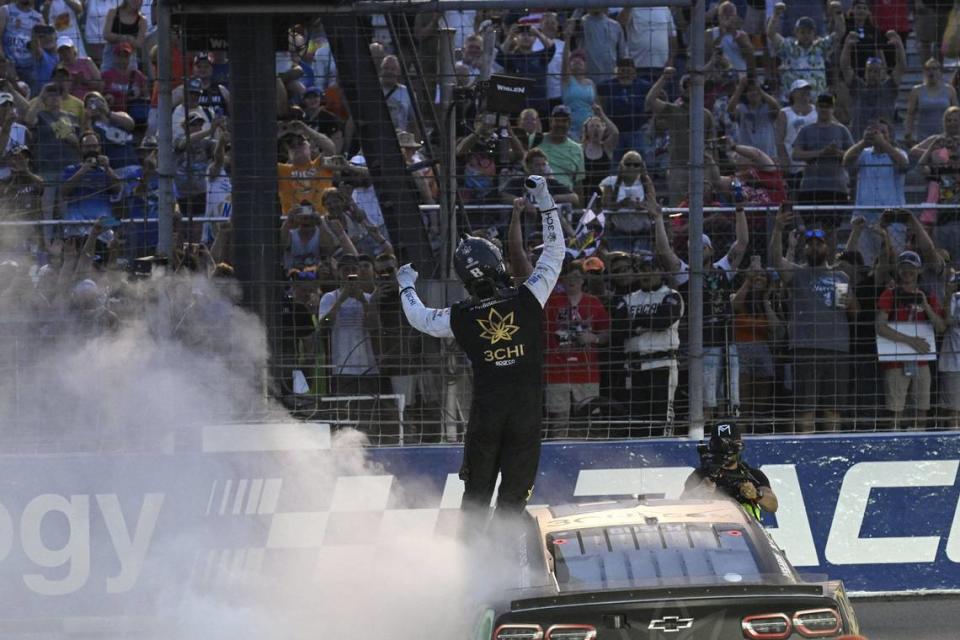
{"x": 497, "y": 328}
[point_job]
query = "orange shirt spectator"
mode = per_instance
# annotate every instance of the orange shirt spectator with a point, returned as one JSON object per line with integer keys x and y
{"x": 303, "y": 181}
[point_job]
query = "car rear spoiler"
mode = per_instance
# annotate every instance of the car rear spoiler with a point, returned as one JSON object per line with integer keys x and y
{"x": 666, "y": 593}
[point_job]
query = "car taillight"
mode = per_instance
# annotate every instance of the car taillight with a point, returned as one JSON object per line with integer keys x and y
{"x": 768, "y": 626}
{"x": 518, "y": 632}
{"x": 816, "y": 623}
{"x": 572, "y": 632}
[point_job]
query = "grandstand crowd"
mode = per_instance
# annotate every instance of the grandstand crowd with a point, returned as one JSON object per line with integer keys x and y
{"x": 830, "y": 300}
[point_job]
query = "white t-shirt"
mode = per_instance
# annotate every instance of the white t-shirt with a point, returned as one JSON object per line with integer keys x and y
{"x": 350, "y": 348}
{"x": 64, "y": 20}
{"x": 18, "y": 136}
{"x": 648, "y": 36}
{"x": 634, "y": 190}
{"x": 96, "y": 11}
{"x": 461, "y": 21}
{"x": 950, "y": 350}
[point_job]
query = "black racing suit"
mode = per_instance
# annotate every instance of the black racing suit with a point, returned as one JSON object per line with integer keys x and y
{"x": 728, "y": 482}
{"x": 502, "y": 337}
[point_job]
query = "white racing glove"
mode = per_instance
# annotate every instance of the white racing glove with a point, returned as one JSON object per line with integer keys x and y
{"x": 406, "y": 276}
{"x": 538, "y": 194}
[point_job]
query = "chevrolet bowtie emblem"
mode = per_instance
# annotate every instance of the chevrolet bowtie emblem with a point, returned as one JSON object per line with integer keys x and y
{"x": 671, "y": 624}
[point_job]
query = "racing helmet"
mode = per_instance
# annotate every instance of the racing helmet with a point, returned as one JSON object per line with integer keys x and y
{"x": 479, "y": 264}
{"x": 725, "y": 441}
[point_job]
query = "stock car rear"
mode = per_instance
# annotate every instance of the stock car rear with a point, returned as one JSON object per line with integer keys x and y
{"x": 678, "y": 570}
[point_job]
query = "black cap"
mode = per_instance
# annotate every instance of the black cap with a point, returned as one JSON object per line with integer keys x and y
{"x": 726, "y": 431}
{"x": 826, "y": 99}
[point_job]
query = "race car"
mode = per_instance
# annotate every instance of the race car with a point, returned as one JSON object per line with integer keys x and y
{"x": 654, "y": 568}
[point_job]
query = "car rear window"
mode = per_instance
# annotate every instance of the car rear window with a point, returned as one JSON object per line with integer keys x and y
{"x": 652, "y": 554}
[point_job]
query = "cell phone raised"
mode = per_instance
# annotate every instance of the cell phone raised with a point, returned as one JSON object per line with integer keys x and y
{"x": 755, "y": 263}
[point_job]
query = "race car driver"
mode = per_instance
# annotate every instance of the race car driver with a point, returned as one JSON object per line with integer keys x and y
{"x": 499, "y": 328}
{"x": 722, "y": 470}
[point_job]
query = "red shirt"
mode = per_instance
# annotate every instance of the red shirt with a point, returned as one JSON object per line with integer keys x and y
{"x": 891, "y": 14}
{"x": 567, "y": 360}
{"x": 905, "y": 311}
{"x": 119, "y": 86}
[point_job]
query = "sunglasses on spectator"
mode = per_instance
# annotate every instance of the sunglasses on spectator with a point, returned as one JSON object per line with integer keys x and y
{"x": 816, "y": 233}
{"x": 305, "y": 275}
{"x": 633, "y": 164}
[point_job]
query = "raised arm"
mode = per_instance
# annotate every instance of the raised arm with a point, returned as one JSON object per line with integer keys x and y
{"x": 845, "y": 67}
{"x": 433, "y": 322}
{"x": 547, "y": 270}
{"x": 652, "y": 102}
{"x": 780, "y": 263}
{"x": 519, "y": 263}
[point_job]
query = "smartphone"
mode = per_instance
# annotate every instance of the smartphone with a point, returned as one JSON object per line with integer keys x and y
{"x": 755, "y": 264}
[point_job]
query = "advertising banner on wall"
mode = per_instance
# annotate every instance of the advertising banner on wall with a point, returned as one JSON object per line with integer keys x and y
{"x": 107, "y": 535}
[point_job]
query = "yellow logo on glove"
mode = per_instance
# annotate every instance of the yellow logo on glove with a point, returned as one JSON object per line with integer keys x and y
{"x": 497, "y": 328}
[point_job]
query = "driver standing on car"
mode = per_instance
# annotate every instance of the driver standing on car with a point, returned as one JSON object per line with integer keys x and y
{"x": 722, "y": 471}
{"x": 499, "y": 328}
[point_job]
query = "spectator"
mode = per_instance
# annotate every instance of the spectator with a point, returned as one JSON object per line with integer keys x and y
{"x": 219, "y": 185}
{"x": 941, "y": 163}
{"x": 358, "y": 228}
{"x": 12, "y": 133}
{"x": 420, "y": 168}
{"x": 194, "y": 90}
{"x": 211, "y": 96}
{"x": 755, "y": 322}
{"x": 397, "y": 95}
{"x": 55, "y": 137}
{"x": 599, "y": 140}
{"x": 948, "y": 366}
{"x": 519, "y": 58}
{"x": 645, "y": 330}
{"x": 791, "y": 119}
{"x": 880, "y": 168}
{"x": 125, "y": 87}
{"x": 676, "y": 116}
{"x": 718, "y": 278}
{"x": 87, "y": 186}
{"x": 576, "y": 325}
{"x": 867, "y": 41}
{"x": 563, "y": 154}
{"x": 318, "y": 118}
{"x": 734, "y": 43}
{"x": 123, "y": 23}
{"x": 579, "y": 91}
{"x": 304, "y": 176}
{"x": 64, "y": 16}
{"x": 550, "y": 25}
{"x": 60, "y": 83}
{"x": 84, "y": 74}
{"x": 818, "y": 326}
{"x": 651, "y": 39}
{"x": 908, "y": 305}
{"x": 343, "y": 310}
{"x": 20, "y": 191}
{"x": 604, "y": 43}
{"x": 624, "y": 197}
{"x": 873, "y": 96}
{"x": 193, "y": 152}
{"x": 364, "y": 196}
{"x": 529, "y": 130}
{"x": 43, "y": 58}
{"x": 399, "y": 348}
{"x": 754, "y": 115}
{"x": 17, "y": 21}
{"x": 94, "y": 23}
{"x": 484, "y": 156}
{"x": 927, "y": 103}
{"x": 141, "y": 200}
{"x": 301, "y": 236}
{"x": 756, "y": 179}
{"x": 113, "y": 127}
{"x": 822, "y": 145}
{"x": 804, "y": 56}
{"x": 623, "y": 97}
{"x": 535, "y": 163}
{"x": 930, "y": 18}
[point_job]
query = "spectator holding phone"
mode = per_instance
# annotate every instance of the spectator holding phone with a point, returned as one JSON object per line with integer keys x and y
{"x": 124, "y": 86}
{"x": 83, "y": 71}
{"x": 822, "y": 145}
{"x": 87, "y": 186}
{"x": 43, "y": 58}
{"x": 304, "y": 176}
{"x": 755, "y": 322}
{"x": 880, "y": 167}
{"x": 940, "y": 162}
{"x": 17, "y": 21}
{"x": 519, "y": 58}
{"x": 907, "y": 305}
{"x": 113, "y": 127}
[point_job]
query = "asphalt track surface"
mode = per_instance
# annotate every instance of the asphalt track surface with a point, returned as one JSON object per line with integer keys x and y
{"x": 911, "y": 618}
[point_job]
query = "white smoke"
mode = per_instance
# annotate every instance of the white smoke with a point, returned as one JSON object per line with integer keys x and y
{"x": 180, "y": 354}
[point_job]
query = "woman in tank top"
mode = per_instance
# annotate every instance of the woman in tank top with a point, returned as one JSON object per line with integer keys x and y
{"x": 927, "y": 103}
{"x": 579, "y": 92}
{"x": 600, "y": 137}
{"x": 124, "y": 24}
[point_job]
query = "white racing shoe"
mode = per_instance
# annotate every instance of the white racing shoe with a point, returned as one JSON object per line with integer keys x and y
{"x": 538, "y": 194}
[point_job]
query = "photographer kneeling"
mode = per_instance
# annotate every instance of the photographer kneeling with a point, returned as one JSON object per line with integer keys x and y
{"x": 722, "y": 470}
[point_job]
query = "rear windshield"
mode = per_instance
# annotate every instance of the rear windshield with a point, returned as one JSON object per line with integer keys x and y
{"x": 652, "y": 554}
